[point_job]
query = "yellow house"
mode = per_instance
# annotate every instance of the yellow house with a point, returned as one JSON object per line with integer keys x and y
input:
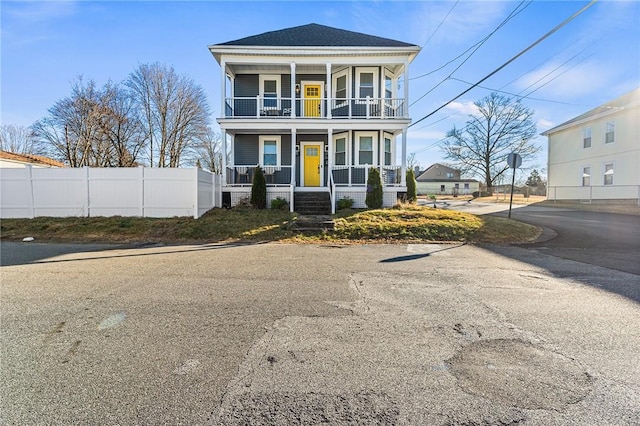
{"x": 596, "y": 156}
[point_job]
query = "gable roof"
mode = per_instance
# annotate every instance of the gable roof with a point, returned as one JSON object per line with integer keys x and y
{"x": 316, "y": 35}
{"x": 625, "y": 101}
{"x": 30, "y": 159}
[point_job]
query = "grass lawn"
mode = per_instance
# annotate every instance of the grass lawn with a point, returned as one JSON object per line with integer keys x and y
{"x": 394, "y": 225}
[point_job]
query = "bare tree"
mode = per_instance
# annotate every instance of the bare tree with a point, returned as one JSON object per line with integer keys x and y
{"x": 92, "y": 127}
{"x": 73, "y": 125}
{"x": 173, "y": 110}
{"x": 500, "y": 126}
{"x": 20, "y": 140}
{"x": 120, "y": 126}
{"x": 208, "y": 152}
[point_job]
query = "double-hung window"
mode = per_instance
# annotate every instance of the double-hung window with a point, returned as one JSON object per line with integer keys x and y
{"x": 366, "y": 147}
{"x": 270, "y": 92}
{"x": 341, "y": 151}
{"x": 270, "y": 151}
{"x": 586, "y": 137}
{"x": 366, "y": 82}
{"x": 608, "y": 174}
{"x": 387, "y": 151}
{"x": 340, "y": 87}
{"x": 586, "y": 176}
{"x": 610, "y": 135}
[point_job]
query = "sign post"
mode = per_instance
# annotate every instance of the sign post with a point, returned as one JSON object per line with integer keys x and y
{"x": 514, "y": 161}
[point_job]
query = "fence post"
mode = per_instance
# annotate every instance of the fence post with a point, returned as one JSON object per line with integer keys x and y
{"x": 30, "y": 199}
{"x": 87, "y": 198}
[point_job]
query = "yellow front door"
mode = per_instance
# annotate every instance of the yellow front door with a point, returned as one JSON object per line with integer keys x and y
{"x": 312, "y": 100}
{"x": 312, "y": 165}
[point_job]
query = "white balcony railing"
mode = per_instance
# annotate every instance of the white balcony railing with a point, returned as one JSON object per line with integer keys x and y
{"x": 351, "y": 108}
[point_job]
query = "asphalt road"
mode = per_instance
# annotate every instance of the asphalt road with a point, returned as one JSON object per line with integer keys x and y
{"x": 605, "y": 239}
{"x": 301, "y": 334}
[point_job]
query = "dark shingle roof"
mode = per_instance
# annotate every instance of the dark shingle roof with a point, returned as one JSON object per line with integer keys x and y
{"x": 316, "y": 35}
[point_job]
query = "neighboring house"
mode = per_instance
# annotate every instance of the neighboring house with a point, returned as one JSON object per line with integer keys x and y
{"x": 13, "y": 160}
{"x": 315, "y": 107}
{"x": 439, "y": 179}
{"x": 596, "y": 156}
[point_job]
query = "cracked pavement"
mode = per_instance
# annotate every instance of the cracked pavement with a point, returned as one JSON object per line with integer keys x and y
{"x": 300, "y": 334}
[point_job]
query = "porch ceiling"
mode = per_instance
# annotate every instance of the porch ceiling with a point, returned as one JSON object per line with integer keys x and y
{"x": 320, "y": 68}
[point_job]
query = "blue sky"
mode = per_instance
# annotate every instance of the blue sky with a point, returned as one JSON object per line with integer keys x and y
{"x": 593, "y": 59}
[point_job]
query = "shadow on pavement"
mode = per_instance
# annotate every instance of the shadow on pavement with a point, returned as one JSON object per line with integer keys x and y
{"x": 12, "y": 253}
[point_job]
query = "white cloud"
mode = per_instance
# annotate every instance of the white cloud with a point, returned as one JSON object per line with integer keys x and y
{"x": 544, "y": 124}
{"x": 465, "y": 107}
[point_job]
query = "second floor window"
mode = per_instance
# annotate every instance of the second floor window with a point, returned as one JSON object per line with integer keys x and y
{"x": 341, "y": 88}
{"x": 611, "y": 133}
{"x": 586, "y": 138}
{"x": 366, "y": 82}
{"x": 388, "y": 87}
{"x": 270, "y": 91}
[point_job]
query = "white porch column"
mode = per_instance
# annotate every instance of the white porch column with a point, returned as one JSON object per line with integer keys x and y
{"x": 224, "y": 157}
{"x": 403, "y": 169}
{"x": 293, "y": 89}
{"x": 223, "y": 88}
{"x": 329, "y": 152}
{"x": 293, "y": 156}
{"x": 406, "y": 91}
{"x": 328, "y": 94}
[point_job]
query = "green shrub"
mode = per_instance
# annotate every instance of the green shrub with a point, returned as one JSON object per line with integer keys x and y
{"x": 374, "y": 189}
{"x": 259, "y": 190}
{"x": 279, "y": 204}
{"x": 412, "y": 195}
{"x": 345, "y": 203}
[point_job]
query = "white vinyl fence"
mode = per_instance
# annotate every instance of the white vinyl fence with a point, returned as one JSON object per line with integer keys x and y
{"x": 145, "y": 192}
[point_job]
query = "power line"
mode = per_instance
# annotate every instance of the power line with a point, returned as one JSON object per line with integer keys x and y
{"x": 440, "y": 24}
{"x": 522, "y": 52}
{"x": 513, "y": 13}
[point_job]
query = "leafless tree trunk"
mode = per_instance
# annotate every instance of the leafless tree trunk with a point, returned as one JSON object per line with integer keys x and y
{"x": 500, "y": 126}
{"x": 174, "y": 111}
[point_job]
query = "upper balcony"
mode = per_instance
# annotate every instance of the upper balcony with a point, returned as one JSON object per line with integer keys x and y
{"x": 259, "y": 107}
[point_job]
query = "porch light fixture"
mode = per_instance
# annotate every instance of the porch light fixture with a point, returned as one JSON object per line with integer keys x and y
{"x": 297, "y": 149}
{"x": 297, "y": 89}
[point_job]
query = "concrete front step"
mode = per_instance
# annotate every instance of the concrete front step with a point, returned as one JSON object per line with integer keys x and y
{"x": 312, "y": 203}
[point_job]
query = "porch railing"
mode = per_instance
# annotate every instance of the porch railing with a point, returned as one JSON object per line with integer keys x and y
{"x": 273, "y": 175}
{"x": 243, "y": 175}
{"x": 358, "y": 175}
{"x": 349, "y": 108}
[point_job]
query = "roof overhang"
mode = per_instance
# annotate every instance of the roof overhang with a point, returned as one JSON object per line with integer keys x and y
{"x": 221, "y": 51}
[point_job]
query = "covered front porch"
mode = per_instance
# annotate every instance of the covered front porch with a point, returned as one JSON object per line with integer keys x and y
{"x": 335, "y": 161}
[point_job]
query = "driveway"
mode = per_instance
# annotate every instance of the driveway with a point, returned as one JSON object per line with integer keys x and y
{"x": 302, "y": 334}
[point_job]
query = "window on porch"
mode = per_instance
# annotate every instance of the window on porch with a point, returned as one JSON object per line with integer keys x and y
{"x": 269, "y": 151}
{"x": 365, "y": 150}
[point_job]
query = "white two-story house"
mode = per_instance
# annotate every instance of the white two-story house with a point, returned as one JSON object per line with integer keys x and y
{"x": 596, "y": 156}
{"x": 316, "y": 108}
